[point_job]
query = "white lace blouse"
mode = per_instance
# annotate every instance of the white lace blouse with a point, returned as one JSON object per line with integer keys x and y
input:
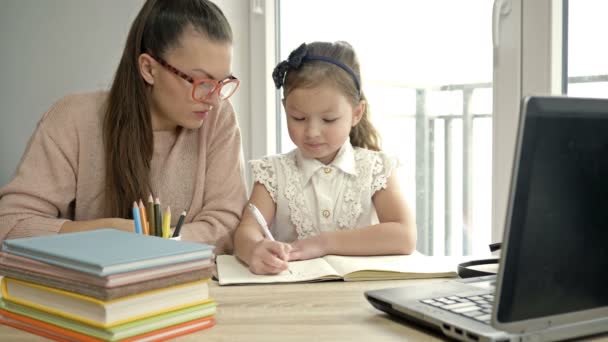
{"x": 312, "y": 197}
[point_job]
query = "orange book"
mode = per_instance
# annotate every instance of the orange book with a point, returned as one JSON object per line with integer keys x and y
{"x": 57, "y": 333}
{"x": 174, "y": 331}
{"x": 33, "y": 330}
{"x": 43, "y": 329}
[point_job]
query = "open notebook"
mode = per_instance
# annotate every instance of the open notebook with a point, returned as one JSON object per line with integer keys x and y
{"x": 349, "y": 268}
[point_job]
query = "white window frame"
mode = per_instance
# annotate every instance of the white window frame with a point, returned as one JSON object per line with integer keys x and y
{"x": 263, "y": 37}
{"x": 527, "y": 61}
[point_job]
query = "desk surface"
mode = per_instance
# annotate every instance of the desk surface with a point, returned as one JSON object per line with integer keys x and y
{"x": 328, "y": 311}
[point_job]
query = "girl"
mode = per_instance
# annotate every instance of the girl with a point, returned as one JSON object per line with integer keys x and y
{"x": 165, "y": 127}
{"x": 336, "y": 193}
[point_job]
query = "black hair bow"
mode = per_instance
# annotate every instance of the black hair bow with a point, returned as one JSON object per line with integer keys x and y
{"x": 294, "y": 61}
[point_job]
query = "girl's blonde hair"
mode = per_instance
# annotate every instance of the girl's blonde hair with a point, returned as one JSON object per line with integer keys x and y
{"x": 319, "y": 62}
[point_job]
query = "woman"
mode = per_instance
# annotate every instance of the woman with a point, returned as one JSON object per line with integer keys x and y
{"x": 165, "y": 128}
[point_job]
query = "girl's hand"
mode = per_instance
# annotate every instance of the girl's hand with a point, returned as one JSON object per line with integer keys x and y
{"x": 269, "y": 257}
{"x": 307, "y": 249}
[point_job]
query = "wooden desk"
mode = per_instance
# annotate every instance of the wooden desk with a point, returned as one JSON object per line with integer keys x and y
{"x": 328, "y": 311}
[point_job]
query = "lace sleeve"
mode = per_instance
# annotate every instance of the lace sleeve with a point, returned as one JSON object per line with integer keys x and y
{"x": 382, "y": 168}
{"x": 265, "y": 174}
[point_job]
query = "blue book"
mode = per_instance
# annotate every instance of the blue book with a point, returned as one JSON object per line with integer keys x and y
{"x": 106, "y": 251}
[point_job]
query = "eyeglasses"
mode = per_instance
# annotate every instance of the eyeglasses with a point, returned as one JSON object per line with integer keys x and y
{"x": 203, "y": 88}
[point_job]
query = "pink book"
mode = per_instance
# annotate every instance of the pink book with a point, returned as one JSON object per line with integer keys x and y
{"x": 106, "y": 287}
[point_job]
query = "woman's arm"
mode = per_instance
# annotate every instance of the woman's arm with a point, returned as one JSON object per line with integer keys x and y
{"x": 224, "y": 191}
{"x": 39, "y": 200}
{"x": 79, "y": 226}
{"x": 395, "y": 234}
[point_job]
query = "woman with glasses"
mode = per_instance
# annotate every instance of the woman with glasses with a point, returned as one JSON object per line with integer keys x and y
{"x": 165, "y": 128}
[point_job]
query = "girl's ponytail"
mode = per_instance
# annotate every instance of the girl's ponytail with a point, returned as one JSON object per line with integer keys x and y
{"x": 364, "y": 134}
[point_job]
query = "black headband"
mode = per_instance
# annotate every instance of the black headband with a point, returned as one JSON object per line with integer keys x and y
{"x": 300, "y": 55}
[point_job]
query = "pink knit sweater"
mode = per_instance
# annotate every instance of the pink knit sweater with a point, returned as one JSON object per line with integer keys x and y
{"x": 61, "y": 174}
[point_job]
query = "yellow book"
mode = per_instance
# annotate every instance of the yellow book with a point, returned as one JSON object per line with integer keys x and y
{"x": 104, "y": 314}
{"x": 348, "y": 268}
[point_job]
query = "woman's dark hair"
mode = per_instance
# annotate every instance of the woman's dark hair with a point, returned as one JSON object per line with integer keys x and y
{"x": 127, "y": 124}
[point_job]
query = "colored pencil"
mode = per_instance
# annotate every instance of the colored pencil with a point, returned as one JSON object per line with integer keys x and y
{"x": 136, "y": 218}
{"x": 182, "y": 217}
{"x": 158, "y": 220}
{"x": 144, "y": 217}
{"x": 167, "y": 223}
{"x": 151, "y": 218}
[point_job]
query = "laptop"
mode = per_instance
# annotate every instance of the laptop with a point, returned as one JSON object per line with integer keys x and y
{"x": 552, "y": 282}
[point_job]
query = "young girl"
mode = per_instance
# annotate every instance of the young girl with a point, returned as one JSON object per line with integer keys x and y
{"x": 165, "y": 127}
{"x": 336, "y": 193}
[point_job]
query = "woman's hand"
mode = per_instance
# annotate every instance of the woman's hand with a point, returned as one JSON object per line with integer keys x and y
{"x": 310, "y": 248}
{"x": 112, "y": 222}
{"x": 269, "y": 257}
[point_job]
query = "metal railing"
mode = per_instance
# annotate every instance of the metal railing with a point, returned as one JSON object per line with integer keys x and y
{"x": 425, "y": 142}
{"x": 425, "y": 149}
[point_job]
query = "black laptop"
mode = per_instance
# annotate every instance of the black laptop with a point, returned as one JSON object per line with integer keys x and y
{"x": 552, "y": 282}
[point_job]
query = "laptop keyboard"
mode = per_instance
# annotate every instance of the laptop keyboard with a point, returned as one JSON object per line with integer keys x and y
{"x": 477, "y": 307}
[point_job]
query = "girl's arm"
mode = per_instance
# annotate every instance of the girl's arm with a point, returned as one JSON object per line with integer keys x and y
{"x": 395, "y": 234}
{"x": 262, "y": 255}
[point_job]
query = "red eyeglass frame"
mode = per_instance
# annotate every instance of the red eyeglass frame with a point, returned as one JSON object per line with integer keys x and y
{"x": 217, "y": 85}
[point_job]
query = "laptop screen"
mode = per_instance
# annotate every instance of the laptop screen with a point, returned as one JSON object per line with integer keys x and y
{"x": 557, "y": 253}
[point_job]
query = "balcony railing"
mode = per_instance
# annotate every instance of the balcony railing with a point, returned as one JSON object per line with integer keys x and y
{"x": 425, "y": 156}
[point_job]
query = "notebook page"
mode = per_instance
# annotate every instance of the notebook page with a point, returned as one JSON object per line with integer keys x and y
{"x": 231, "y": 271}
{"x": 374, "y": 266}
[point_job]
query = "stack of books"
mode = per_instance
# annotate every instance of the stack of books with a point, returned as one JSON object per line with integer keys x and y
{"x": 106, "y": 285}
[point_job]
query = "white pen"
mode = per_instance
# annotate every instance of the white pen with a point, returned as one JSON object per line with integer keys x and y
{"x": 261, "y": 221}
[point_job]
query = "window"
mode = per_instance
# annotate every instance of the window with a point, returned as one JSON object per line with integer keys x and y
{"x": 430, "y": 94}
{"x": 587, "y": 55}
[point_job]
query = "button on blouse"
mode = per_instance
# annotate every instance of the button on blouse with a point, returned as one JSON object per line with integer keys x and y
{"x": 312, "y": 197}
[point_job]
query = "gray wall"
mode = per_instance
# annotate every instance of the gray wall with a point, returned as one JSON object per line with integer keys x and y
{"x": 50, "y": 48}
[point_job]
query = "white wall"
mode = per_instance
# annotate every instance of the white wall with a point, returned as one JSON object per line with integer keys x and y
{"x": 53, "y": 48}
{"x": 237, "y": 12}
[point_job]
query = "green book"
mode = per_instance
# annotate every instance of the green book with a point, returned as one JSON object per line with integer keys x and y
{"x": 120, "y": 331}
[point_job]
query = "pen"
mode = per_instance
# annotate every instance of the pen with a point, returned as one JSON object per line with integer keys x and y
{"x": 179, "y": 224}
{"x": 136, "y": 218}
{"x": 262, "y": 222}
